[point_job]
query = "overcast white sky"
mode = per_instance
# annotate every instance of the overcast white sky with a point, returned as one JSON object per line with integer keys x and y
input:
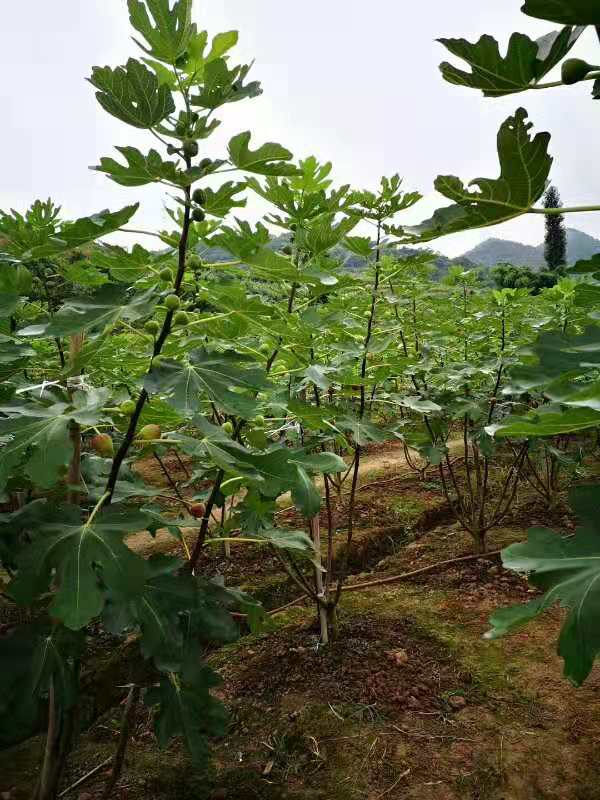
{"x": 353, "y": 82}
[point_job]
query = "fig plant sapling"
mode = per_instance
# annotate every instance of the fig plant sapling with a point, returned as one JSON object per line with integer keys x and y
{"x": 66, "y": 556}
{"x": 564, "y": 366}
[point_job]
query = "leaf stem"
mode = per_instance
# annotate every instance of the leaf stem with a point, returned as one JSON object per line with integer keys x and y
{"x": 553, "y": 212}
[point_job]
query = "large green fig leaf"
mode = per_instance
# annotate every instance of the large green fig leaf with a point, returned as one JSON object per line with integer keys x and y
{"x": 524, "y": 65}
{"x": 197, "y": 58}
{"x": 324, "y": 233}
{"x": 547, "y": 421}
{"x": 305, "y": 495}
{"x": 186, "y": 708}
{"x": 156, "y": 610}
{"x": 568, "y": 570}
{"x": 141, "y": 170}
{"x": 72, "y": 555}
{"x": 221, "y": 85}
{"x": 269, "y": 159}
{"x": 205, "y": 376}
{"x": 567, "y": 12}
{"x": 30, "y": 655}
{"x": 94, "y": 313}
{"x": 10, "y": 294}
{"x": 21, "y": 232}
{"x": 133, "y": 94}
{"x": 170, "y": 30}
{"x": 525, "y": 166}
{"x": 127, "y": 266}
{"x": 221, "y": 201}
{"x": 37, "y": 435}
{"x": 24, "y": 237}
{"x": 558, "y": 355}
{"x": 363, "y": 430}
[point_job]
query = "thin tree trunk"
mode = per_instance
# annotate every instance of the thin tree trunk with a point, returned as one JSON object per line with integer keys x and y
{"x": 315, "y": 530}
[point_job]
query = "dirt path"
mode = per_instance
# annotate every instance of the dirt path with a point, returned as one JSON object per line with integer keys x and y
{"x": 387, "y": 463}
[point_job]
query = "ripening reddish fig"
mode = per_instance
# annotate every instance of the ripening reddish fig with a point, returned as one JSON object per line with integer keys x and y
{"x": 149, "y": 433}
{"x": 103, "y": 445}
{"x": 198, "y": 510}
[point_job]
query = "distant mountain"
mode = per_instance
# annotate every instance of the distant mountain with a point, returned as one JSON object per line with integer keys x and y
{"x": 580, "y": 246}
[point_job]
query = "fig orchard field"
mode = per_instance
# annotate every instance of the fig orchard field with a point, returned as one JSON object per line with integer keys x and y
{"x": 258, "y": 514}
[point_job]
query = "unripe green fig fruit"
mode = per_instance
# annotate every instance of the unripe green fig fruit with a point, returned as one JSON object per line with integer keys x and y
{"x": 259, "y": 421}
{"x": 103, "y": 445}
{"x": 172, "y": 302}
{"x": 194, "y": 262}
{"x": 265, "y": 349}
{"x": 24, "y": 280}
{"x": 150, "y": 433}
{"x": 127, "y": 408}
{"x": 152, "y": 327}
{"x": 205, "y": 164}
{"x": 199, "y": 197}
{"x": 575, "y": 70}
{"x": 166, "y": 274}
{"x": 287, "y": 250}
{"x": 227, "y": 427}
{"x": 198, "y": 215}
{"x": 181, "y": 318}
{"x": 190, "y": 148}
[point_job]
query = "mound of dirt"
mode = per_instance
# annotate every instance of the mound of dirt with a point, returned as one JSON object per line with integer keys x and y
{"x": 375, "y": 662}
